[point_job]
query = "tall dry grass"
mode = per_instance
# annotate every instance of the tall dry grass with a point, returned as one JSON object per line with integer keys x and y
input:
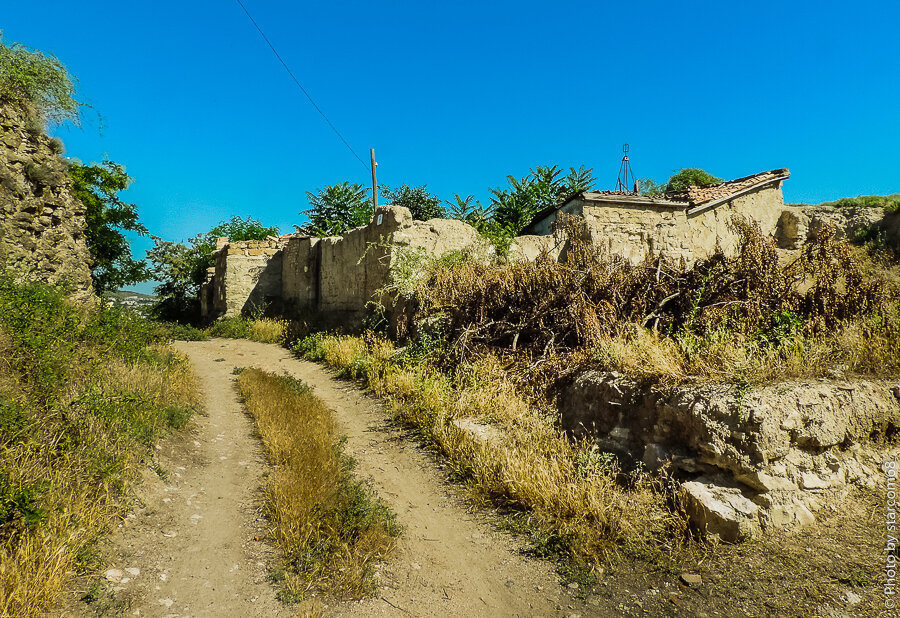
{"x": 84, "y": 394}
{"x": 574, "y": 495}
{"x": 262, "y": 329}
{"x": 331, "y": 527}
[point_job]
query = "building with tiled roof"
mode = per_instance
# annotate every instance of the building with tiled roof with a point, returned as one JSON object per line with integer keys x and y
{"x": 689, "y": 224}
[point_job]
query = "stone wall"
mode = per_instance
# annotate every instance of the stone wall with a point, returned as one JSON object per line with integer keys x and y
{"x": 42, "y": 224}
{"x": 335, "y": 276}
{"x": 639, "y": 227}
{"x": 749, "y": 461}
{"x": 246, "y": 277}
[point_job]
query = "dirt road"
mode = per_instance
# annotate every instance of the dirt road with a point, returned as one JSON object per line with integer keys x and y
{"x": 191, "y": 550}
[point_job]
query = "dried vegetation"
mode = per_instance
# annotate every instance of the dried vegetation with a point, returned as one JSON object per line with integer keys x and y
{"x": 331, "y": 527}
{"x": 753, "y": 316}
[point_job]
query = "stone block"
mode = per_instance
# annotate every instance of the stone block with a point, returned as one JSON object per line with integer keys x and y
{"x": 718, "y": 508}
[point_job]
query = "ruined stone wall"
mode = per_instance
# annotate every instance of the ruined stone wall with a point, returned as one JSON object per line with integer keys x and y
{"x": 300, "y": 275}
{"x": 641, "y": 231}
{"x": 246, "y": 277}
{"x": 636, "y": 232}
{"x": 41, "y": 223}
{"x": 769, "y": 458}
{"x": 702, "y": 233}
{"x": 335, "y": 276}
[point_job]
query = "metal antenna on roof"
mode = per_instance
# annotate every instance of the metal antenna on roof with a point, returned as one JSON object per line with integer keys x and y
{"x": 623, "y": 184}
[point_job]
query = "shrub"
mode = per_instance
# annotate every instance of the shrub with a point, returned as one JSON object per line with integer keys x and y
{"x": 39, "y": 79}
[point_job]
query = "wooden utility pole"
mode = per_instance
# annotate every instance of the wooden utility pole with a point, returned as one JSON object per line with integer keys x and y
{"x": 374, "y": 181}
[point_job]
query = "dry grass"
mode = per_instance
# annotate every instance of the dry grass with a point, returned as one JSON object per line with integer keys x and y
{"x": 264, "y": 330}
{"x": 833, "y": 309}
{"x": 574, "y": 495}
{"x": 84, "y": 394}
{"x": 331, "y": 527}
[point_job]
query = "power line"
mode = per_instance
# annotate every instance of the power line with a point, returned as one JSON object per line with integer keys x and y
{"x": 299, "y": 85}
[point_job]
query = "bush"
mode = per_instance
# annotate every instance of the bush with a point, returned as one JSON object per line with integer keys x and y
{"x": 691, "y": 177}
{"x": 33, "y": 77}
{"x": 890, "y": 203}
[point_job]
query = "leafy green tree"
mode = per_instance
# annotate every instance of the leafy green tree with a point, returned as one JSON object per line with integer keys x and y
{"x": 691, "y": 177}
{"x": 646, "y": 186}
{"x": 107, "y": 216}
{"x": 181, "y": 268}
{"x": 336, "y": 209}
{"x": 470, "y": 210}
{"x": 422, "y": 204}
{"x": 515, "y": 206}
{"x": 31, "y": 76}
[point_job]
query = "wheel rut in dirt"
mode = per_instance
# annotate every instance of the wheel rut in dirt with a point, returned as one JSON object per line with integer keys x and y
{"x": 195, "y": 543}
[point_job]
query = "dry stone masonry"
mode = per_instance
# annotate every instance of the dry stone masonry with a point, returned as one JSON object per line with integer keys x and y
{"x": 41, "y": 222}
{"x": 768, "y": 457}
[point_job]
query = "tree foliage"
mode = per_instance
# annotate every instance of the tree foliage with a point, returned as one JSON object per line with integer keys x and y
{"x": 335, "y": 209}
{"x": 422, "y": 204}
{"x": 97, "y": 186}
{"x": 469, "y": 210}
{"x": 30, "y": 76}
{"x": 515, "y": 206}
{"x": 181, "y": 268}
{"x": 691, "y": 177}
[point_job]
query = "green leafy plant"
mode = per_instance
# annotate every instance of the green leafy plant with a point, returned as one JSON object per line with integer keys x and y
{"x": 514, "y": 207}
{"x": 690, "y": 177}
{"x": 39, "y": 79}
{"x": 421, "y": 204}
{"x": 97, "y": 186}
{"x": 335, "y": 209}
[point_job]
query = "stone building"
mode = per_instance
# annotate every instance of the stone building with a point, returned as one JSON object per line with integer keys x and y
{"x": 689, "y": 224}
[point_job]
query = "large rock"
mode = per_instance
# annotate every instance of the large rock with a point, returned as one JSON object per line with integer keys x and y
{"x": 791, "y": 446}
{"x": 719, "y": 509}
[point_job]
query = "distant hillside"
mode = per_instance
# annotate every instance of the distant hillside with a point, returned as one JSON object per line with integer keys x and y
{"x": 126, "y": 298}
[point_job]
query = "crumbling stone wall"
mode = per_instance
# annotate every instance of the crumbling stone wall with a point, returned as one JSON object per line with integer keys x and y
{"x": 42, "y": 224}
{"x": 768, "y": 458}
{"x": 651, "y": 230}
{"x": 335, "y": 276}
{"x": 246, "y": 277}
{"x": 640, "y": 227}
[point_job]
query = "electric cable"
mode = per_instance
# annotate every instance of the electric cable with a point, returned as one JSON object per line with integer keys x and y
{"x": 299, "y": 85}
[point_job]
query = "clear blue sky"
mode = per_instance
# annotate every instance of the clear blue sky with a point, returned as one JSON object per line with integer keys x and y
{"x": 458, "y": 95}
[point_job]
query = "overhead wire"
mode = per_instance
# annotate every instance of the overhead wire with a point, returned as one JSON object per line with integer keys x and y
{"x": 299, "y": 85}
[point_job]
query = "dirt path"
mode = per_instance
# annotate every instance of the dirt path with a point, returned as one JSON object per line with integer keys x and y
{"x": 193, "y": 545}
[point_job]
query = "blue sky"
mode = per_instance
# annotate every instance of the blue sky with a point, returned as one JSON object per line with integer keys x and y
{"x": 458, "y": 95}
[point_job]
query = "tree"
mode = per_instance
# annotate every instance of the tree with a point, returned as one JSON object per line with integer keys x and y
{"x": 515, "y": 206}
{"x": 31, "y": 76}
{"x": 97, "y": 186}
{"x": 181, "y": 268}
{"x": 647, "y": 186}
{"x": 691, "y": 177}
{"x": 336, "y": 209}
{"x": 470, "y": 210}
{"x": 422, "y": 204}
